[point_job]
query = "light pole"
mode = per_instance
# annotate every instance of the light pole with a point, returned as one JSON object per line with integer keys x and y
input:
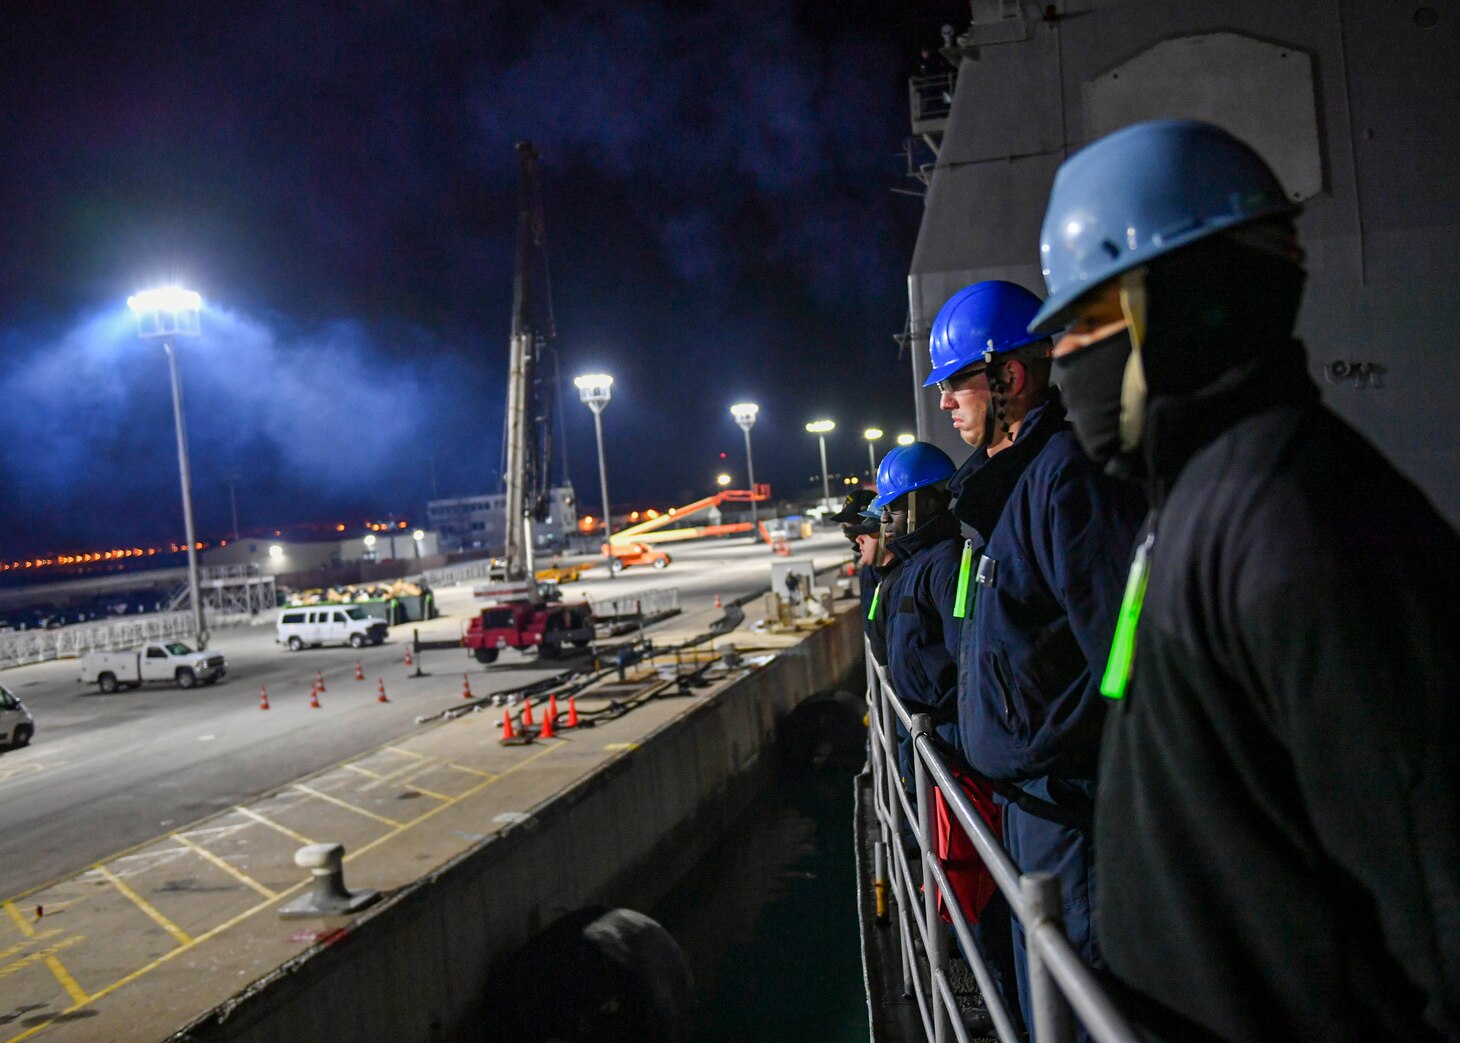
{"x": 162, "y": 315}
{"x": 745, "y": 414}
{"x": 872, "y": 434}
{"x": 819, "y": 428}
{"x": 595, "y": 389}
{"x": 416, "y": 538}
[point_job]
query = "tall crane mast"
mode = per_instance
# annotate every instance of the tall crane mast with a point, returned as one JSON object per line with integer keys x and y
{"x": 531, "y": 376}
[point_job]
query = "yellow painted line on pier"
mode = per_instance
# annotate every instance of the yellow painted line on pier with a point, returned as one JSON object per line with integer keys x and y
{"x": 62, "y": 975}
{"x": 406, "y": 752}
{"x": 404, "y": 770}
{"x": 83, "y": 1000}
{"x": 622, "y": 746}
{"x": 261, "y": 820}
{"x": 53, "y": 963}
{"x": 302, "y": 788}
{"x": 428, "y": 792}
{"x": 178, "y": 934}
{"x": 362, "y": 771}
{"x": 473, "y": 771}
{"x": 222, "y": 864}
{"x": 15, "y": 914}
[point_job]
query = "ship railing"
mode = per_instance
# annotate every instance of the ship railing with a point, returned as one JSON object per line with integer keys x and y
{"x": 1062, "y": 985}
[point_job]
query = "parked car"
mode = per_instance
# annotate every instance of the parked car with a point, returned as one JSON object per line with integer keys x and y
{"x": 170, "y": 661}
{"x": 16, "y": 723}
{"x": 329, "y": 624}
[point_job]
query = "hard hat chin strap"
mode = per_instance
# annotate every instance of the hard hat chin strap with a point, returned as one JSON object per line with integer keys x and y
{"x": 1133, "y": 382}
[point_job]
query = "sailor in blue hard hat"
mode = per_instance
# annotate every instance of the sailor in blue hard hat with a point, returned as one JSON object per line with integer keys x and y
{"x": 988, "y": 368}
{"x": 920, "y": 536}
{"x": 1278, "y": 853}
{"x": 1045, "y": 540}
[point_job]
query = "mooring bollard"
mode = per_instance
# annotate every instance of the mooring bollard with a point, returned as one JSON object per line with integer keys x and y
{"x": 329, "y": 896}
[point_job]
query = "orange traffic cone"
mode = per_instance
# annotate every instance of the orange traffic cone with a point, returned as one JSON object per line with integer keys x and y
{"x": 381, "y": 697}
{"x": 314, "y": 698}
{"x": 263, "y": 697}
{"x": 717, "y": 599}
{"x": 553, "y": 705}
{"x": 319, "y": 680}
{"x": 547, "y": 727}
{"x": 507, "y": 730}
{"x": 408, "y": 660}
{"x": 465, "y": 687}
{"x": 526, "y": 711}
{"x": 359, "y": 674}
{"x": 572, "y": 712}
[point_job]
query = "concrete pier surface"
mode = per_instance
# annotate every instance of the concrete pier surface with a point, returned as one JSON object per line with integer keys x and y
{"x": 474, "y": 844}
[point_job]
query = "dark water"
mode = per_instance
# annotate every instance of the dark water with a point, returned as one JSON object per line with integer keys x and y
{"x": 769, "y": 920}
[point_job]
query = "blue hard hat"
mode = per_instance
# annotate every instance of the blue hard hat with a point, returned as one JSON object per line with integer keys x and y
{"x": 909, "y": 467}
{"x": 986, "y": 317}
{"x": 1142, "y": 192}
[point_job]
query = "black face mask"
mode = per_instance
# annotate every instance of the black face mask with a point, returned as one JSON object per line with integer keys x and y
{"x": 1090, "y": 383}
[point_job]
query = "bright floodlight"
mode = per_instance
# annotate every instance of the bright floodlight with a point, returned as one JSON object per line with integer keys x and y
{"x": 821, "y": 427}
{"x": 745, "y": 413}
{"x": 418, "y": 535}
{"x": 169, "y": 311}
{"x": 594, "y": 387}
{"x": 722, "y": 479}
{"x": 872, "y": 434}
{"x": 370, "y": 540}
{"x": 906, "y": 439}
{"x": 276, "y": 552}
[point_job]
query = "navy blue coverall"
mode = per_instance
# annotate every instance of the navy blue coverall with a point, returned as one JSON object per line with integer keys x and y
{"x": 922, "y": 634}
{"x": 1046, "y": 599}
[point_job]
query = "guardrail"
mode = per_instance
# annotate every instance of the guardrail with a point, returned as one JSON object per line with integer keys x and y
{"x": 20, "y": 647}
{"x": 36, "y": 646}
{"x": 644, "y": 603}
{"x": 467, "y": 570}
{"x": 1062, "y": 986}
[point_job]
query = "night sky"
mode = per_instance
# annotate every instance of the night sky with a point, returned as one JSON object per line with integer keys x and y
{"x": 341, "y": 188}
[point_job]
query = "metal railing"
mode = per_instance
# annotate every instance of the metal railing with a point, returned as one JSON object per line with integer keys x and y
{"x": 36, "y": 646}
{"x": 644, "y": 603}
{"x": 484, "y": 568}
{"x": 930, "y": 100}
{"x": 1062, "y": 986}
{"x": 21, "y": 647}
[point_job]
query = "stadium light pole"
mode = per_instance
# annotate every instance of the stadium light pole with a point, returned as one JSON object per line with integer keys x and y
{"x": 595, "y": 389}
{"x": 872, "y": 434}
{"x": 163, "y": 314}
{"x": 745, "y": 414}
{"x": 819, "y": 428}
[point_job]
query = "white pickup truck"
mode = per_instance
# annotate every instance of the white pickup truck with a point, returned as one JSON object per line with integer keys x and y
{"x": 170, "y": 661}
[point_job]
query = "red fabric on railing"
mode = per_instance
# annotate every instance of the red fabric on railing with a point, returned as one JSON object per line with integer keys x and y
{"x": 973, "y": 885}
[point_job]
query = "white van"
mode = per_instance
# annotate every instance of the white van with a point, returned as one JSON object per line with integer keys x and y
{"x": 318, "y": 624}
{"x": 16, "y": 723}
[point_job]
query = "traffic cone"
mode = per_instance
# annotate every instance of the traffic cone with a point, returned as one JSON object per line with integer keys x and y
{"x": 319, "y": 680}
{"x": 572, "y": 712}
{"x": 465, "y": 687}
{"x": 527, "y": 711}
{"x": 717, "y": 599}
{"x": 547, "y": 727}
{"x": 314, "y": 698}
{"x": 409, "y": 661}
{"x": 507, "y": 731}
{"x": 381, "y": 697}
{"x": 263, "y": 697}
{"x": 359, "y": 673}
{"x": 552, "y": 709}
